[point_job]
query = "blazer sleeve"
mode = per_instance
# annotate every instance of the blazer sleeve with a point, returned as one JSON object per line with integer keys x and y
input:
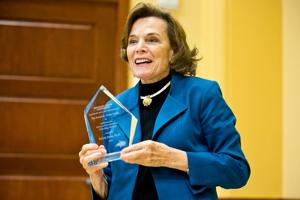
{"x": 224, "y": 164}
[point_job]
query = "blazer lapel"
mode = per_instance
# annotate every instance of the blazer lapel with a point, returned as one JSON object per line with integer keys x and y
{"x": 169, "y": 110}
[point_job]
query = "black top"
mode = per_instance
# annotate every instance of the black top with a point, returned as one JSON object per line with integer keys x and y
{"x": 144, "y": 187}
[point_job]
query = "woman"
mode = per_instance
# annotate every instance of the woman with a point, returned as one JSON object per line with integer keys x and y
{"x": 186, "y": 143}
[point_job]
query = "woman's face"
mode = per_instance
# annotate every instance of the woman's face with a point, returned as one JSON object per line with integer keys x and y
{"x": 149, "y": 50}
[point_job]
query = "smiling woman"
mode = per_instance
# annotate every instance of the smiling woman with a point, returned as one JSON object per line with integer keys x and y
{"x": 185, "y": 144}
{"x": 149, "y": 52}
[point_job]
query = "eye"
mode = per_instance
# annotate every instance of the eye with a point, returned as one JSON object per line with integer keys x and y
{"x": 132, "y": 41}
{"x": 152, "y": 40}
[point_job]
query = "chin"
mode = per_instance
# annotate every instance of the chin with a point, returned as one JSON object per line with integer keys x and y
{"x": 142, "y": 75}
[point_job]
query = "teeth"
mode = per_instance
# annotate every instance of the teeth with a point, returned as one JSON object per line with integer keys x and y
{"x": 142, "y": 60}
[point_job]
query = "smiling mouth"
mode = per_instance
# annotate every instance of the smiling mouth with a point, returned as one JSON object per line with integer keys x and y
{"x": 139, "y": 61}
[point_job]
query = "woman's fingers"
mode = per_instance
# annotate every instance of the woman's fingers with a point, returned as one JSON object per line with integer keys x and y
{"x": 147, "y": 153}
{"x": 89, "y": 153}
{"x": 133, "y": 152}
{"x": 91, "y": 157}
{"x": 88, "y": 147}
{"x": 95, "y": 168}
{"x": 131, "y": 155}
{"x": 134, "y": 147}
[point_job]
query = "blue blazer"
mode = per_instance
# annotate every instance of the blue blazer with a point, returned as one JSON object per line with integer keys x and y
{"x": 196, "y": 119}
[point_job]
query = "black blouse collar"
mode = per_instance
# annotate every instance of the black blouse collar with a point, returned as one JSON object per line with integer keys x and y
{"x": 148, "y": 89}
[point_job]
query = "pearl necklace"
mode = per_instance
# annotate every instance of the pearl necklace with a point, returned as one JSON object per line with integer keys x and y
{"x": 147, "y": 100}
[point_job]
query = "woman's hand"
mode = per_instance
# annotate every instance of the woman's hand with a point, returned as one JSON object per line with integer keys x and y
{"x": 154, "y": 154}
{"x": 93, "y": 152}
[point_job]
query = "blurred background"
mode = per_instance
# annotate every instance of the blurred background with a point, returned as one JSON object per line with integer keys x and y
{"x": 54, "y": 55}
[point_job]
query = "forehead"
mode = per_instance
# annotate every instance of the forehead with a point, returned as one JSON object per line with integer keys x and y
{"x": 149, "y": 25}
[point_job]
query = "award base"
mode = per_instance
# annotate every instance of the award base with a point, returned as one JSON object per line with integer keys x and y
{"x": 107, "y": 158}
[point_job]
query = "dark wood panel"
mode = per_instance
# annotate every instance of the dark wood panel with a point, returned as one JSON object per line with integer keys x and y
{"x": 43, "y": 187}
{"x": 82, "y": 11}
{"x": 40, "y": 164}
{"x": 42, "y": 126}
{"x": 35, "y": 48}
{"x": 56, "y": 88}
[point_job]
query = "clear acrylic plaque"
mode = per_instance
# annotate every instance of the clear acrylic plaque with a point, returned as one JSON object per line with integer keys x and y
{"x": 109, "y": 123}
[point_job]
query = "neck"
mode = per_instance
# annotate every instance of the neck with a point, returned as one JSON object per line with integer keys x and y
{"x": 148, "y": 81}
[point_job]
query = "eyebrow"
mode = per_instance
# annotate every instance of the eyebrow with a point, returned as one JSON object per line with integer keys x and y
{"x": 148, "y": 34}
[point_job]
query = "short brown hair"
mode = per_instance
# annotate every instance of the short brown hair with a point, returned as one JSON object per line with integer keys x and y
{"x": 184, "y": 60}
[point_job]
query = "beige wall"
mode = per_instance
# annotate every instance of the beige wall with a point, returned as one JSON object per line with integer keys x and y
{"x": 291, "y": 98}
{"x": 254, "y": 89}
{"x": 243, "y": 48}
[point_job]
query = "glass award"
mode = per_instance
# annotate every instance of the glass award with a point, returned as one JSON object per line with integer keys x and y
{"x": 109, "y": 123}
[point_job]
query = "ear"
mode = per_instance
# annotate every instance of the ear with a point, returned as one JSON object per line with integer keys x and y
{"x": 171, "y": 53}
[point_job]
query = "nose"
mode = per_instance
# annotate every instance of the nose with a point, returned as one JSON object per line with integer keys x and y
{"x": 140, "y": 47}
